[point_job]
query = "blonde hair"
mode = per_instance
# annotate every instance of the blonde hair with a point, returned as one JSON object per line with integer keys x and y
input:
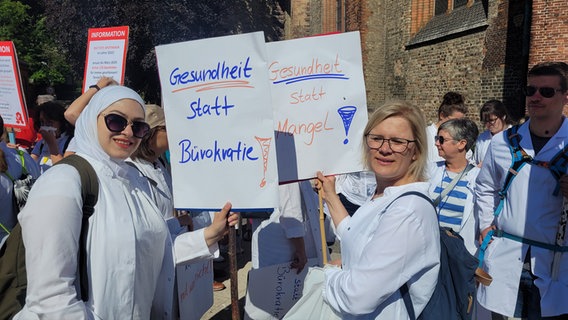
{"x": 415, "y": 118}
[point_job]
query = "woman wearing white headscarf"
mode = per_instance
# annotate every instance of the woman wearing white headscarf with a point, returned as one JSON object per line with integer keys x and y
{"x": 130, "y": 266}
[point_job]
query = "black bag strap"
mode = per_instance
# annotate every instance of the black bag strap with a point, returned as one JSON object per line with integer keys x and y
{"x": 404, "y": 290}
{"x": 407, "y": 301}
{"x": 89, "y": 194}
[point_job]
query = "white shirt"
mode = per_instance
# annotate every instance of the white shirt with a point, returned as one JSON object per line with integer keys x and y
{"x": 381, "y": 251}
{"x": 530, "y": 211}
{"x": 7, "y": 217}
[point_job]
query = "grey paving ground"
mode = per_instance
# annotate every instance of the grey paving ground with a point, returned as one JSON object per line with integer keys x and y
{"x": 221, "y": 309}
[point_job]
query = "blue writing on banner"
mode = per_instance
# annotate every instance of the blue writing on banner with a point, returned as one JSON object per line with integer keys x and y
{"x": 198, "y": 110}
{"x": 279, "y": 290}
{"x": 222, "y": 71}
{"x": 241, "y": 152}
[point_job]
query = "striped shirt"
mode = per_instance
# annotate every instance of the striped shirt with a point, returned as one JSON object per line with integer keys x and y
{"x": 451, "y": 207}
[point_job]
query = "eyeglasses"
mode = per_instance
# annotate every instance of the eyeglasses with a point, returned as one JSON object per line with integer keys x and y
{"x": 441, "y": 139}
{"x": 117, "y": 123}
{"x": 546, "y": 92}
{"x": 490, "y": 121}
{"x": 395, "y": 144}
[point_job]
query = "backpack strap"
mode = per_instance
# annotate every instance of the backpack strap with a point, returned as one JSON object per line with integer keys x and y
{"x": 89, "y": 194}
{"x": 404, "y": 290}
{"x": 519, "y": 159}
{"x": 407, "y": 301}
{"x": 557, "y": 167}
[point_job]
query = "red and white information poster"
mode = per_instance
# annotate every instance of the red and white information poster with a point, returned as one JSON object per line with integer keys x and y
{"x": 12, "y": 103}
{"x": 106, "y": 55}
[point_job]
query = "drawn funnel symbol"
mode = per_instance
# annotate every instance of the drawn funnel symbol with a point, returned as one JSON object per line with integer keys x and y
{"x": 265, "y": 147}
{"x": 347, "y": 113}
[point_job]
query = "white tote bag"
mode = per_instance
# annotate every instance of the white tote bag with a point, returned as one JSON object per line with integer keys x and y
{"x": 311, "y": 305}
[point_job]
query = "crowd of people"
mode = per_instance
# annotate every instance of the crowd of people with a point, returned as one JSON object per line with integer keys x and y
{"x": 388, "y": 230}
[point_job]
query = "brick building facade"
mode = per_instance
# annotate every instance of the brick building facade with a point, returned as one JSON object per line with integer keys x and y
{"x": 419, "y": 49}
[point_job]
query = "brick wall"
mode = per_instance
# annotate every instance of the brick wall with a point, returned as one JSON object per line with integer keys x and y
{"x": 549, "y": 31}
{"x": 478, "y": 65}
{"x": 488, "y": 63}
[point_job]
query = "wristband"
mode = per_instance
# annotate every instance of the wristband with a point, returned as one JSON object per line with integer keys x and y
{"x": 95, "y": 86}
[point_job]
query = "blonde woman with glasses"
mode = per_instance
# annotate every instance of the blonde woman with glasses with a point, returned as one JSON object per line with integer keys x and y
{"x": 392, "y": 239}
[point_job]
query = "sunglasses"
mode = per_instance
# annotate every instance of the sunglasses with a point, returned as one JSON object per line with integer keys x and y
{"x": 441, "y": 139}
{"x": 546, "y": 92}
{"x": 117, "y": 123}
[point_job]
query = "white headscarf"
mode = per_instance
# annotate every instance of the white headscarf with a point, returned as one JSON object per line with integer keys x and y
{"x": 86, "y": 130}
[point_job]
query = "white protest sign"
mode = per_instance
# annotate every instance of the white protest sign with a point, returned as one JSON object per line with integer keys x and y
{"x": 273, "y": 290}
{"x": 12, "y": 105}
{"x": 106, "y": 55}
{"x": 195, "y": 289}
{"x": 219, "y": 122}
{"x": 320, "y": 109}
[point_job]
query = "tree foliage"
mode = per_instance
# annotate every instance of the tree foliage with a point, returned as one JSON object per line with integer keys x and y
{"x": 23, "y": 25}
{"x": 154, "y": 23}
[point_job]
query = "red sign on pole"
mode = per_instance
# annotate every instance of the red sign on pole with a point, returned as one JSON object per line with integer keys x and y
{"x": 106, "y": 55}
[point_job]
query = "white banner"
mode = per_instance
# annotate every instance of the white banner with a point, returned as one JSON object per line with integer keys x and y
{"x": 319, "y": 101}
{"x": 219, "y": 122}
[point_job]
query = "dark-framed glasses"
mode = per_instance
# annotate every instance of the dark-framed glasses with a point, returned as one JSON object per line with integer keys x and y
{"x": 117, "y": 123}
{"x": 546, "y": 92}
{"x": 490, "y": 121}
{"x": 375, "y": 141}
{"x": 441, "y": 139}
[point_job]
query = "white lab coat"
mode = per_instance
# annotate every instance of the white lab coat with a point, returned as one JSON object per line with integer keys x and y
{"x": 161, "y": 186}
{"x": 530, "y": 211}
{"x": 128, "y": 245}
{"x": 381, "y": 251}
{"x": 431, "y": 132}
{"x": 161, "y": 181}
{"x": 468, "y": 228}
{"x": 481, "y": 145}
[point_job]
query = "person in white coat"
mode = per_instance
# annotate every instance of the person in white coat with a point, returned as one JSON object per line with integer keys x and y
{"x": 452, "y": 107}
{"x": 288, "y": 234}
{"x": 389, "y": 241}
{"x": 12, "y": 162}
{"x": 455, "y": 208}
{"x": 524, "y": 284}
{"x": 495, "y": 118}
{"x": 130, "y": 253}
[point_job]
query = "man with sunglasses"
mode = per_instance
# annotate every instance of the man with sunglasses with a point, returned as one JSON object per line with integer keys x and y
{"x": 520, "y": 255}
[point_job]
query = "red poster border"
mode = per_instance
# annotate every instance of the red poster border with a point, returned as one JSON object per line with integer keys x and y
{"x": 14, "y": 58}
{"x": 111, "y": 33}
